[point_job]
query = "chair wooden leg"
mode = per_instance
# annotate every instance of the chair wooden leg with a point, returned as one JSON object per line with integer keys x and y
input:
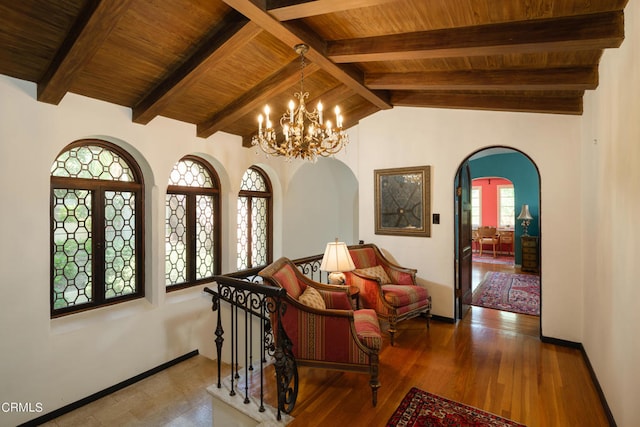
{"x": 392, "y": 328}
{"x": 374, "y": 382}
{"x": 428, "y": 314}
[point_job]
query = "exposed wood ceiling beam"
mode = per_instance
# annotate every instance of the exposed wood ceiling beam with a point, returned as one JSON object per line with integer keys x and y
{"x": 331, "y": 97}
{"x": 494, "y": 102}
{"x": 585, "y": 32}
{"x": 90, "y": 30}
{"x": 354, "y": 115}
{"x": 292, "y": 34}
{"x": 285, "y": 10}
{"x": 540, "y": 79}
{"x": 235, "y": 32}
{"x": 254, "y": 99}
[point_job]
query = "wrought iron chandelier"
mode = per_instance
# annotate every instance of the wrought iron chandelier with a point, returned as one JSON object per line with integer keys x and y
{"x": 305, "y": 134}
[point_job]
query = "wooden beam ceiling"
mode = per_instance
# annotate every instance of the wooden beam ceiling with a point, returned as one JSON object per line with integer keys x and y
{"x": 219, "y": 61}
{"x": 293, "y": 34}
{"x": 234, "y": 32}
{"x": 91, "y": 29}
{"x": 565, "y": 104}
{"x": 286, "y": 10}
{"x": 585, "y": 32}
{"x": 255, "y": 98}
{"x": 542, "y": 79}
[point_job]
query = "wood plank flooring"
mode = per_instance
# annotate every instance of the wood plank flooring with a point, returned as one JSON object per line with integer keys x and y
{"x": 492, "y": 360}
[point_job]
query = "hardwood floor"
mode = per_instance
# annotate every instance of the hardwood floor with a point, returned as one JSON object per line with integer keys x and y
{"x": 492, "y": 360}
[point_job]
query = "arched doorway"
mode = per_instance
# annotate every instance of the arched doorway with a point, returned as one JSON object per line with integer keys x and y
{"x": 516, "y": 167}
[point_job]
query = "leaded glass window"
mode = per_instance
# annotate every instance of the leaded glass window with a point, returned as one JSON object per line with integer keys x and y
{"x": 96, "y": 227}
{"x": 192, "y": 224}
{"x": 254, "y": 220}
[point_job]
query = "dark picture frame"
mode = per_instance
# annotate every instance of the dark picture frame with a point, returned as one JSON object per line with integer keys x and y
{"x": 403, "y": 201}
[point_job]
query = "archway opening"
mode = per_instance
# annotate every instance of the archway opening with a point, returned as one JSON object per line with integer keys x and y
{"x": 497, "y": 170}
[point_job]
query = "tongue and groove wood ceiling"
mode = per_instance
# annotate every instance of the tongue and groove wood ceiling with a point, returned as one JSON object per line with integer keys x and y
{"x": 216, "y": 63}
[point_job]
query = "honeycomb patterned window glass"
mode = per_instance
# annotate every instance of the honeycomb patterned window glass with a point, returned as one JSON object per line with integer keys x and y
{"x": 176, "y": 239}
{"x": 259, "y": 231}
{"x": 96, "y": 226}
{"x": 205, "y": 220}
{"x": 92, "y": 162}
{"x": 72, "y": 248}
{"x": 254, "y": 220}
{"x": 191, "y": 227}
{"x": 120, "y": 245}
{"x": 243, "y": 233}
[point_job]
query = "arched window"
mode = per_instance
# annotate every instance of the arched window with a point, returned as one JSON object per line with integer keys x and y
{"x": 192, "y": 231}
{"x": 97, "y": 227}
{"x": 254, "y": 220}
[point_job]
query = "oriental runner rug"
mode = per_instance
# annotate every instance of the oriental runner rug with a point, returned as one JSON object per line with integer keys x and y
{"x": 518, "y": 293}
{"x": 422, "y": 409}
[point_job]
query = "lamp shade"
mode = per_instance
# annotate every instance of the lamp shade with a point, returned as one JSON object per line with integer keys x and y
{"x": 524, "y": 213}
{"x": 336, "y": 258}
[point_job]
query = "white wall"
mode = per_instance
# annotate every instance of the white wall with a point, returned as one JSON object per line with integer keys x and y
{"x": 57, "y": 362}
{"x": 443, "y": 139}
{"x": 321, "y": 204}
{"x": 611, "y": 201}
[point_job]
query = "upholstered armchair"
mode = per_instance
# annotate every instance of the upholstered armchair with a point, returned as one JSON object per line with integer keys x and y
{"x": 386, "y": 287}
{"x": 324, "y": 329}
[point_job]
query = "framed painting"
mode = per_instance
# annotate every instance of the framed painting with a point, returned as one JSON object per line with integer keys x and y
{"x": 403, "y": 201}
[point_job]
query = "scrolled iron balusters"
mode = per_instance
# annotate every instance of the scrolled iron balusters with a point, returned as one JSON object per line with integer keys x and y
{"x": 310, "y": 268}
{"x": 286, "y": 368}
{"x": 215, "y": 306}
{"x": 264, "y": 303}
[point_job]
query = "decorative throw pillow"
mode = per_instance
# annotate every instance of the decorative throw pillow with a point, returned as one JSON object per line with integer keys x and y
{"x": 312, "y": 298}
{"x": 377, "y": 272}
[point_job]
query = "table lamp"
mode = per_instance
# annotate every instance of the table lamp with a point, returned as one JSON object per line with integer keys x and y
{"x": 336, "y": 260}
{"x": 526, "y": 217}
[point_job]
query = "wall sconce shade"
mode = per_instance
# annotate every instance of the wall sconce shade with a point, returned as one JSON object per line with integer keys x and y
{"x": 337, "y": 259}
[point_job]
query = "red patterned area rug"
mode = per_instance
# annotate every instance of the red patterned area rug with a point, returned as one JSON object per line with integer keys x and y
{"x": 518, "y": 293}
{"x": 422, "y": 409}
{"x": 487, "y": 258}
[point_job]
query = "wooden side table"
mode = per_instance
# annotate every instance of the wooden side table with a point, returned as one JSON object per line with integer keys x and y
{"x": 529, "y": 254}
{"x": 354, "y": 293}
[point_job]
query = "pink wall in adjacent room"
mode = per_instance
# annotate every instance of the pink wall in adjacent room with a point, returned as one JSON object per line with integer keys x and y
{"x": 489, "y": 201}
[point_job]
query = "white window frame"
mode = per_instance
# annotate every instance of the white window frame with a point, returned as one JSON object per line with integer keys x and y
{"x": 499, "y": 189}
{"x": 477, "y": 188}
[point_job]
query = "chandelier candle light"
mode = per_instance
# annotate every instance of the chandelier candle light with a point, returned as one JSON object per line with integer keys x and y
{"x": 305, "y": 134}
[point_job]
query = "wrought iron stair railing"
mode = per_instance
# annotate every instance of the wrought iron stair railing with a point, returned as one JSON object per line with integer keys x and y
{"x": 250, "y": 300}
